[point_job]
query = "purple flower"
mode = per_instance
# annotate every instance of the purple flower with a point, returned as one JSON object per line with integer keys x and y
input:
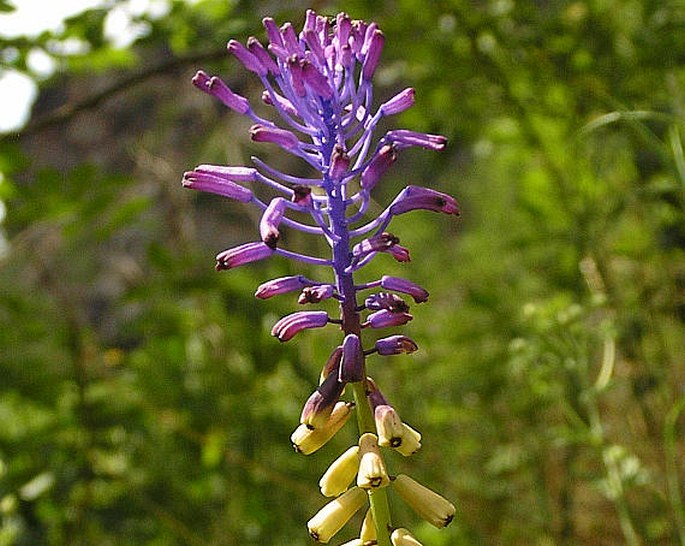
{"x": 241, "y": 255}
{"x": 286, "y": 328}
{"x": 318, "y": 90}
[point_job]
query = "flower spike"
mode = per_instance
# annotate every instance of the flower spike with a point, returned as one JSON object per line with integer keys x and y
{"x": 318, "y": 83}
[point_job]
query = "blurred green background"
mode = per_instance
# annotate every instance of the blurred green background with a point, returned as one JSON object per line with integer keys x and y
{"x": 142, "y": 399}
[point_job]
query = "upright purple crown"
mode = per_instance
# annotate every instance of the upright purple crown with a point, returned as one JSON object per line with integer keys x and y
{"x": 319, "y": 84}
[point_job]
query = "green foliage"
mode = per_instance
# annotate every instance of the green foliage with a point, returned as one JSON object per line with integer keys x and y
{"x": 143, "y": 401}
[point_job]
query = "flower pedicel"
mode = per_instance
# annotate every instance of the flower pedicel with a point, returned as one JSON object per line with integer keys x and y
{"x": 318, "y": 82}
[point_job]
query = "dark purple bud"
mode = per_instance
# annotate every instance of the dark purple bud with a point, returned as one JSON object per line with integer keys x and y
{"x": 399, "y": 103}
{"x": 395, "y": 345}
{"x": 374, "y": 394}
{"x": 281, "y": 137}
{"x": 272, "y": 31}
{"x": 240, "y": 174}
{"x": 320, "y": 404}
{"x": 273, "y": 98}
{"x": 271, "y": 219}
{"x": 386, "y": 319}
{"x": 398, "y": 284}
{"x": 385, "y": 300}
{"x": 352, "y": 364}
{"x": 286, "y": 328}
{"x": 217, "y": 88}
{"x": 255, "y": 47}
{"x": 315, "y": 294}
{"x": 377, "y": 243}
{"x": 302, "y": 195}
{"x": 248, "y": 60}
{"x": 296, "y": 75}
{"x": 316, "y": 81}
{"x": 243, "y": 254}
{"x": 380, "y": 163}
{"x": 400, "y": 253}
{"x": 332, "y": 364}
{"x": 282, "y": 285}
{"x": 373, "y": 54}
{"x": 201, "y": 181}
{"x": 340, "y": 163}
{"x": 418, "y": 197}
{"x": 404, "y": 138}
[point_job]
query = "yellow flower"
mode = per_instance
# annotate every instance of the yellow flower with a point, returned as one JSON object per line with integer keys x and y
{"x": 368, "y": 530}
{"x": 307, "y": 440}
{"x": 332, "y": 517}
{"x": 341, "y": 472}
{"x": 434, "y": 508}
{"x": 411, "y": 441}
{"x": 402, "y": 537}
{"x": 372, "y": 472}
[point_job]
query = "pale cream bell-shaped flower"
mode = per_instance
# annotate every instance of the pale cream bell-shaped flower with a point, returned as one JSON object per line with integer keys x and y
{"x": 340, "y": 474}
{"x": 372, "y": 471}
{"x": 354, "y": 542}
{"x": 402, "y": 537}
{"x": 368, "y": 530}
{"x": 306, "y": 440}
{"x": 434, "y": 508}
{"x": 388, "y": 426}
{"x": 332, "y": 517}
{"x": 411, "y": 441}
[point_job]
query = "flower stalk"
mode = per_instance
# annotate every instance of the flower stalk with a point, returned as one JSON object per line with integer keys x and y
{"x": 318, "y": 82}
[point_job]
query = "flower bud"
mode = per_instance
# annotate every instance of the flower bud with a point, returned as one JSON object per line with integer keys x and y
{"x": 368, "y": 529}
{"x": 315, "y": 80}
{"x": 200, "y": 181}
{"x": 248, "y": 60}
{"x": 372, "y": 471}
{"x": 352, "y": 364}
{"x": 319, "y": 405}
{"x": 403, "y": 138}
{"x": 411, "y": 441}
{"x": 377, "y": 243}
{"x": 340, "y": 163}
{"x": 332, "y": 517}
{"x": 281, "y": 137}
{"x": 302, "y": 195}
{"x": 286, "y": 328}
{"x": 417, "y": 197}
{"x": 434, "y": 508}
{"x": 377, "y": 167}
{"x": 399, "y": 103}
{"x": 400, "y": 253}
{"x": 398, "y": 284}
{"x": 340, "y": 474}
{"x": 395, "y": 345}
{"x": 402, "y": 537}
{"x": 217, "y": 88}
{"x": 386, "y": 319}
{"x": 332, "y": 364}
{"x": 271, "y": 219}
{"x": 388, "y": 426}
{"x": 306, "y": 440}
{"x": 282, "y": 285}
{"x": 257, "y": 49}
{"x": 243, "y": 254}
{"x": 373, "y": 54}
{"x": 315, "y": 294}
